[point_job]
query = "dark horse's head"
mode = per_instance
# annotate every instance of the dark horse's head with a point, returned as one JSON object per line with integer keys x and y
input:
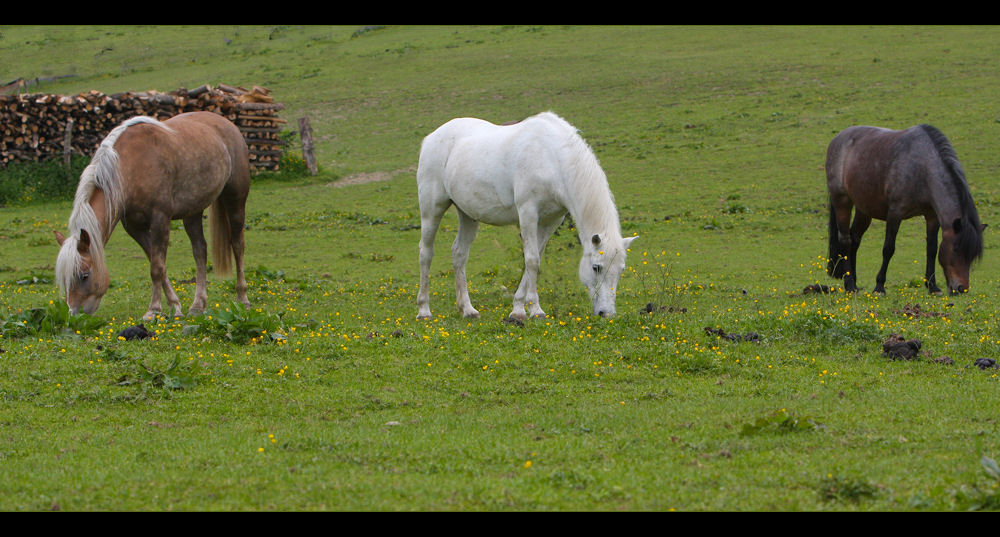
{"x": 962, "y": 238}
{"x": 961, "y": 244}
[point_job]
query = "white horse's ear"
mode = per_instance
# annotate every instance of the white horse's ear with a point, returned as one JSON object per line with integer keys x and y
{"x": 60, "y": 238}
{"x": 628, "y": 240}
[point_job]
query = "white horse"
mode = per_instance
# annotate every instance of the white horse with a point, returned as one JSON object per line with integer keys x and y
{"x": 531, "y": 174}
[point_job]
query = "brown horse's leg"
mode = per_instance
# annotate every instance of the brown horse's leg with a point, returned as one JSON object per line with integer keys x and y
{"x": 932, "y": 232}
{"x": 159, "y": 238}
{"x": 858, "y": 228}
{"x": 888, "y": 248}
{"x": 199, "y": 247}
{"x": 234, "y": 203}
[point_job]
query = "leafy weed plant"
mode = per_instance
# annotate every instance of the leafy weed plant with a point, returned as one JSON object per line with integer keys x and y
{"x": 239, "y": 324}
{"x": 836, "y": 488}
{"x": 982, "y": 498}
{"x": 781, "y": 421}
{"x": 53, "y": 319}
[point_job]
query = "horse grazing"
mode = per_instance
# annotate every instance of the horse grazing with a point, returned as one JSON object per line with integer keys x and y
{"x": 145, "y": 174}
{"x": 530, "y": 173}
{"x": 894, "y": 175}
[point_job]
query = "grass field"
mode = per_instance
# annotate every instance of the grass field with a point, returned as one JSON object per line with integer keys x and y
{"x": 713, "y": 140}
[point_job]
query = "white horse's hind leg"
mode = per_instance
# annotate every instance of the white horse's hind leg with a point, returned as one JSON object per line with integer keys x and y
{"x": 431, "y": 210}
{"x": 467, "y": 228}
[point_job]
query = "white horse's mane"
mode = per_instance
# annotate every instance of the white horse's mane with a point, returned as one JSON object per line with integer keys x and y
{"x": 102, "y": 173}
{"x": 595, "y": 203}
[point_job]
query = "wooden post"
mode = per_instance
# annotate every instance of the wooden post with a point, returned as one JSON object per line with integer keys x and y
{"x": 306, "y": 135}
{"x": 68, "y": 144}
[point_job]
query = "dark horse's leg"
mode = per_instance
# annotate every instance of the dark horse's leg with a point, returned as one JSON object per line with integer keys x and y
{"x": 888, "y": 248}
{"x": 932, "y": 232}
{"x": 858, "y": 229}
{"x": 843, "y": 243}
{"x": 839, "y": 238}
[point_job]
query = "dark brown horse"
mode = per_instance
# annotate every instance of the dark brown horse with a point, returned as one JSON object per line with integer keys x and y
{"x": 145, "y": 174}
{"x": 894, "y": 175}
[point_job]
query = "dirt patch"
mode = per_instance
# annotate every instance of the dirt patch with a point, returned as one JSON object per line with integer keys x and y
{"x": 899, "y": 348}
{"x": 986, "y": 363}
{"x": 915, "y": 311}
{"x": 817, "y": 288}
{"x": 650, "y": 308}
{"x": 369, "y": 177}
{"x": 749, "y": 336}
{"x": 138, "y": 331}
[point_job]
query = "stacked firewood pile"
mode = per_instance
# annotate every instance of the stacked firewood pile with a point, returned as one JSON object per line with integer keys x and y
{"x": 35, "y": 126}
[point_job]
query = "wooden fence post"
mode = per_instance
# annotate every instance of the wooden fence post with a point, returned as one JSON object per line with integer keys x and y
{"x": 306, "y": 135}
{"x": 68, "y": 145}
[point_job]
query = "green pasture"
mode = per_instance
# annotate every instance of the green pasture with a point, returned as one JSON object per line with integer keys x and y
{"x": 713, "y": 140}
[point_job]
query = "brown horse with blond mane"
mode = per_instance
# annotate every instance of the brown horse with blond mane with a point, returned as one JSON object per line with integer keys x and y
{"x": 145, "y": 174}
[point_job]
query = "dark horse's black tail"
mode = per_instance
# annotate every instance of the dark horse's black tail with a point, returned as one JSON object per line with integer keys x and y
{"x": 836, "y": 265}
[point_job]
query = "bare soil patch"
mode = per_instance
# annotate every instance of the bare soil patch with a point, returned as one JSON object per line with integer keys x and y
{"x": 369, "y": 177}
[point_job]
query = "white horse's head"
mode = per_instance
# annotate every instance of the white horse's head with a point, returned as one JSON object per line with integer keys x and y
{"x": 601, "y": 267}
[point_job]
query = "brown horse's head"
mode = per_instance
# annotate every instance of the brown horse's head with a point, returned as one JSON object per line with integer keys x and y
{"x": 961, "y": 244}
{"x": 81, "y": 273}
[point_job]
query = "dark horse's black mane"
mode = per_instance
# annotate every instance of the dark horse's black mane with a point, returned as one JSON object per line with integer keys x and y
{"x": 969, "y": 239}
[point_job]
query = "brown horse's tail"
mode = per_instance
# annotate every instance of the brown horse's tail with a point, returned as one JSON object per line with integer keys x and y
{"x": 836, "y": 264}
{"x": 222, "y": 249}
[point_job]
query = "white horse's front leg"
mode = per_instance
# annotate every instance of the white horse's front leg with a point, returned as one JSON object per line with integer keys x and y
{"x": 527, "y": 291}
{"x": 467, "y": 228}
